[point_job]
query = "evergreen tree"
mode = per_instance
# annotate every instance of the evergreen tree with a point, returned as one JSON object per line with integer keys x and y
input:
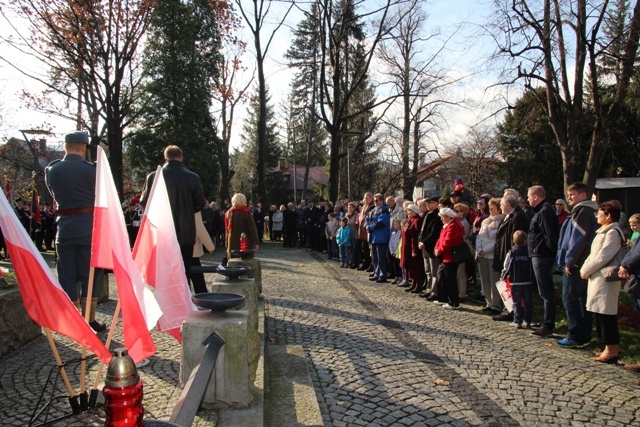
{"x": 245, "y": 160}
{"x": 181, "y": 63}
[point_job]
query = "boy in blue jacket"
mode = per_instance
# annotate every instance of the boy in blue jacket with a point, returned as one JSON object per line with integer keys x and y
{"x": 343, "y": 239}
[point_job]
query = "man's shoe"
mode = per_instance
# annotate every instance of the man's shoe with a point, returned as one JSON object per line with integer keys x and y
{"x": 568, "y": 343}
{"x": 371, "y": 275}
{"x": 634, "y": 367}
{"x": 361, "y": 268}
{"x": 432, "y": 297}
{"x": 427, "y": 295}
{"x": 503, "y": 317}
{"x": 403, "y": 284}
{"x": 541, "y": 333}
{"x": 381, "y": 281}
{"x": 373, "y": 279}
{"x": 353, "y": 267}
{"x": 98, "y": 327}
{"x": 450, "y": 307}
{"x": 487, "y": 309}
{"x": 370, "y": 269}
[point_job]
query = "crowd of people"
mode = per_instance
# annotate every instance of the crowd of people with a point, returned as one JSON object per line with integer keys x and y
{"x": 438, "y": 248}
{"x": 441, "y": 248}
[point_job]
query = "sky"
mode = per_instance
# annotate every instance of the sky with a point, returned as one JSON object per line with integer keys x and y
{"x": 464, "y": 55}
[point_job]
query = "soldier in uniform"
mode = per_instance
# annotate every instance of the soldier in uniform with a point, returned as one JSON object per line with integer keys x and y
{"x": 71, "y": 181}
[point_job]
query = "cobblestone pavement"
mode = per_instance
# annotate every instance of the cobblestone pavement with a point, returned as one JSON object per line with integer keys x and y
{"x": 23, "y": 375}
{"x": 376, "y": 354}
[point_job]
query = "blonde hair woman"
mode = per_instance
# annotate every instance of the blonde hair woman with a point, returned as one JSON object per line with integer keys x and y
{"x": 238, "y": 220}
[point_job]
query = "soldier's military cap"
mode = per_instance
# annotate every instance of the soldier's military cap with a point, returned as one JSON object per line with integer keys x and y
{"x": 77, "y": 137}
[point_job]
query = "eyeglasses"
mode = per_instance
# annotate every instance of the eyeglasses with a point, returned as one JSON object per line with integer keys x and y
{"x": 457, "y": 211}
{"x": 479, "y": 203}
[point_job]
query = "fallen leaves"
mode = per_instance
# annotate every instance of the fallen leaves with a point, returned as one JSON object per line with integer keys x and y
{"x": 440, "y": 381}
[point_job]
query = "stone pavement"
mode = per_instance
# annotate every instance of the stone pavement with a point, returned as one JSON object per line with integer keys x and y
{"x": 378, "y": 356}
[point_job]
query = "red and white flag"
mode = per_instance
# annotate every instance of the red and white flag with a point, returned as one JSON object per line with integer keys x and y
{"x": 110, "y": 249}
{"x": 44, "y": 299}
{"x": 157, "y": 254}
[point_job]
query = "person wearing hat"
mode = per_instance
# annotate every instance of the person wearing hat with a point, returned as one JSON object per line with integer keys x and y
{"x": 71, "y": 181}
{"x": 429, "y": 234}
{"x": 411, "y": 255}
{"x": 23, "y": 213}
{"x": 451, "y": 235}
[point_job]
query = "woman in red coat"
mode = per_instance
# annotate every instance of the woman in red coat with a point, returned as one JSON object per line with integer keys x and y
{"x": 411, "y": 256}
{"x": 451, "y": 235}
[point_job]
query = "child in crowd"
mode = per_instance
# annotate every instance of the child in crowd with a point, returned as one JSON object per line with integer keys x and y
{"x": 634, "y": 223}
{"x": 517, "y": 267}
{"x": 329, "y": 234}
{"x": 394, "y": 242}
{"x": 335, "y": 252}
{"x": 343, "y": 239}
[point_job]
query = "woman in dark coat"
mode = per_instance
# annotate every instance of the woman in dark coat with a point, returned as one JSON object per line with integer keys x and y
{"x": 411, "y": 256}
{"x": 238, "y": 220}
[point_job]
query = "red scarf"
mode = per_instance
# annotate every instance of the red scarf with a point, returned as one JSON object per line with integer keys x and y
{"x": 227, "y": 217}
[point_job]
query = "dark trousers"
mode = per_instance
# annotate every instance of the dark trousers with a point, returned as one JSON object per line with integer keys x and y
{"x": 187, "y": 255}
{"x": 522, "y": 294}
{"x": 607, "y": 329}
{"x": 197, "y": 279}
{"x": 448, "y": 283}
{"x": 289, "y": 236}
{"x": 74, "y": 257}
{"x": 574, "y": 299}
{"x": 542, "y": 269}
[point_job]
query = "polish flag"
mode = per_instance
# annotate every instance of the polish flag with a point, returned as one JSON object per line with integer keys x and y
{"x": 157, "y": 254}
{"x": 110, "y": 250}
{"x": 44, "y": 299}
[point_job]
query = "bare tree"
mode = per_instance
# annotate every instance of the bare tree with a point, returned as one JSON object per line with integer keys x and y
{"x": 228, "y": 95}
{"x": 255, "y": 21}
{"x": 532, "y": 36}
{"x": 419, "y": 80}
{"x": 90, "y": 51}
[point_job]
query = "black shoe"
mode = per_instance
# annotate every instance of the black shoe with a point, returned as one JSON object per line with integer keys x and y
{"x": 432, "y": 298}
{"x": 353, "y": 266}
{"x": 98, "y": 327}
{"x": 381, "y": 281}
{"x": 487, "y": 309}
{"x": 542, "y": 332}
{"x": 373, "y": 279}
{"x": 371, "y": 275}
{"x": 370, "y": 269}
{"x": 503, "y": 317}
{"x": 361, "y": 268}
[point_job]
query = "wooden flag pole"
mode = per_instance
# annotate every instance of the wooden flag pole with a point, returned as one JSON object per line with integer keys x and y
{"x": 56, "y": 355}
{"x": 83, "y": 361}
{"x": 114, "y": 321}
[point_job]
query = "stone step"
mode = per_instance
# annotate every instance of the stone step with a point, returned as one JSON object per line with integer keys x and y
{"x": 290, "y": 399}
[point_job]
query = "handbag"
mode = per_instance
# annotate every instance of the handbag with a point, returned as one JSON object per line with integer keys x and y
{"x": 632, "y": 287}
{"x": 612, "y": 274}
{"x": 461, "y": 253}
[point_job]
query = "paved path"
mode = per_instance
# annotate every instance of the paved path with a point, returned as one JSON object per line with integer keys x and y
{"x": 375, "y": 353}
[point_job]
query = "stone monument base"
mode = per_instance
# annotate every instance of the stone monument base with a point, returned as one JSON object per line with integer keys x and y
{"x": 230, "y": 384}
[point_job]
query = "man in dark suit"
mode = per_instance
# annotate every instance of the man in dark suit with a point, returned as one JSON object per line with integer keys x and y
{"x": 514, "y": 219}
{"x": 186, "y": 197}
{"x": 71, "y": 181}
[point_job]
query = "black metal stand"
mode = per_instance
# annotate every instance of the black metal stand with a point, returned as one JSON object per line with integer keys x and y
{"x": 79, "y": 403}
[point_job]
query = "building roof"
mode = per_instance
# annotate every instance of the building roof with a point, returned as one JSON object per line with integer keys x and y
{"x": 316, "y": 174}
{"x": 610, "y": 183}
{"x": 429, "y": 170}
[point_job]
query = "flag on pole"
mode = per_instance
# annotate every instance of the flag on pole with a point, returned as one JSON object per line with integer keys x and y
{"x": 110, "y": 249}
{"x": 35, "y": 209}
{"x": 157, "y": 254}
{"x": 44, "y": 299}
